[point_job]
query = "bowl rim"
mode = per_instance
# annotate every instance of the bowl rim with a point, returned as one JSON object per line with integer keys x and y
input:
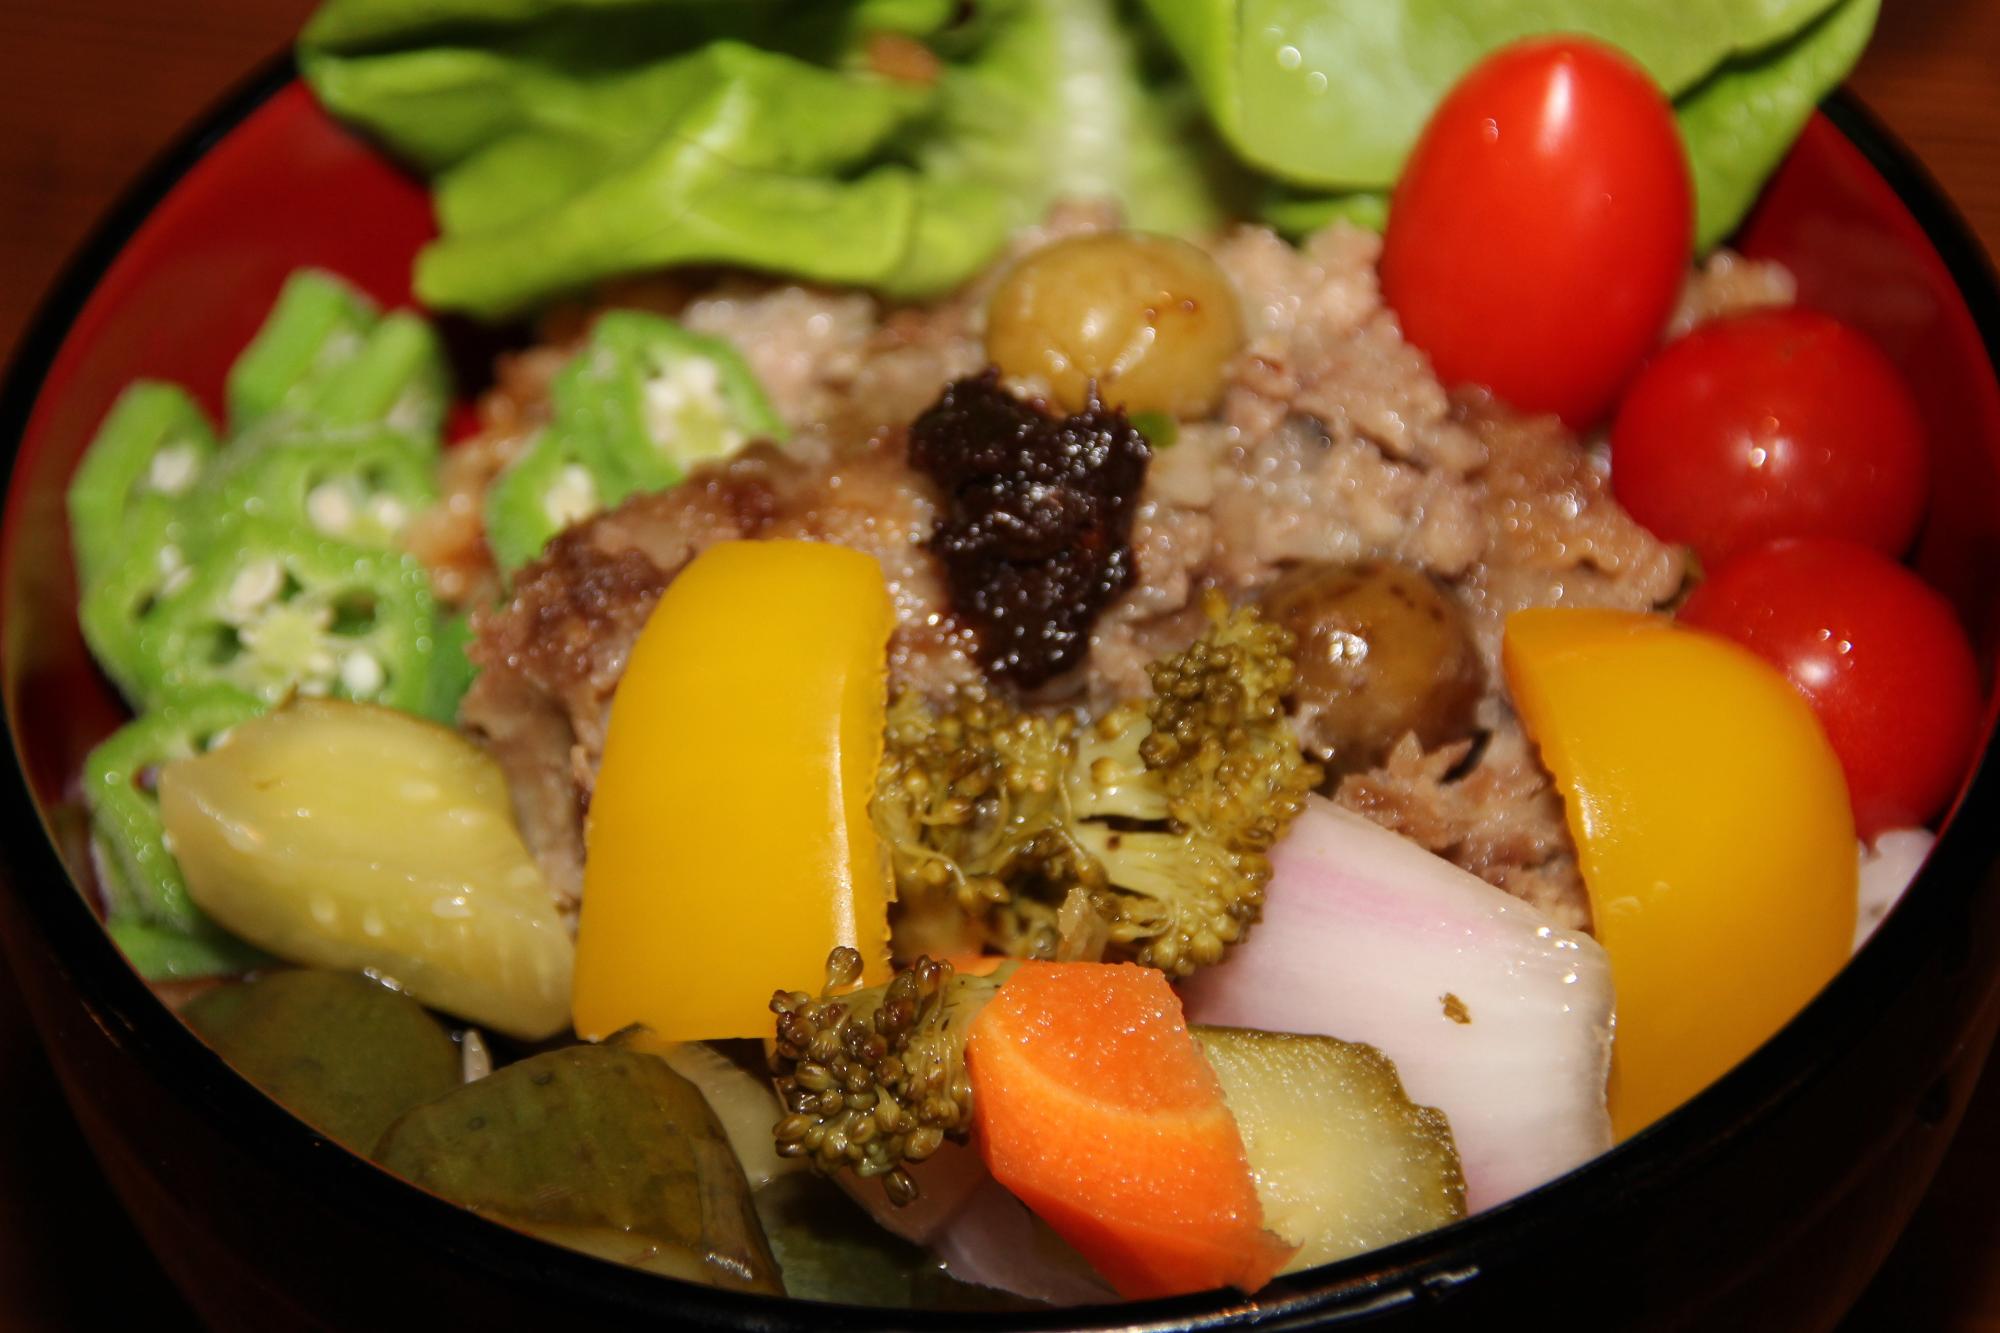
{"x": 1411, "y": 1273}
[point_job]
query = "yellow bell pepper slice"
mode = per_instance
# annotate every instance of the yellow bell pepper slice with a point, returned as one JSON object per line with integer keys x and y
{"x": 1713, "y": 832}
{"x": 728, "y": 848}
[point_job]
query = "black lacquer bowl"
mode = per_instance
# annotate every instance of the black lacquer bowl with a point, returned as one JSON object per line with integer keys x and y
{"x": 1765, "y": 1203}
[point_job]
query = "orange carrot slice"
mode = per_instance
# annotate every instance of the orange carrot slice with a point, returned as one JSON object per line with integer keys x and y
{"x": 1092, "y": 1103}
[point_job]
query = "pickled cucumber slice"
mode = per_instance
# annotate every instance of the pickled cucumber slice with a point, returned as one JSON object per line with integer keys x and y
{"x": 357, "y": 838}
{"x": 1344, "y": 1161}
{"x": 597, "y": 1148}
{"x": 343, "y": 1053}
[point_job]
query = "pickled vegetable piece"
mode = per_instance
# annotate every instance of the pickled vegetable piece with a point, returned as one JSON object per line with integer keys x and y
{"x": 146, "y": 899}
{"x": 1150, "y": 320}
{"x": 731, "y": 808}
{"x": 357, "y": 838}
{"x": 153, "y": 447}
{"x": 735, "y": 1080}
{"x": 345, "y": 1054}
{"x": 1344, "y": 1161}
{"x": 829, "y": 1250}
{"x": 1713, "y": 831}
{"x": 275, "y": 609}
{"x": 599, "y": 1149}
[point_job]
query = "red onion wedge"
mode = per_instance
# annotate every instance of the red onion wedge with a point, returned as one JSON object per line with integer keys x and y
{"x": 946, "y": 1182}
{"x": 1886, "y": 870}
{"x": 1490, "y": 1013}
{"x": 994, "y": 1241}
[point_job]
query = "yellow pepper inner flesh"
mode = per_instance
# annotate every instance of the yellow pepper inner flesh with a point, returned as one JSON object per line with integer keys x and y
{"x": 728, "y": 846}
{"x": 1712, "y": 829}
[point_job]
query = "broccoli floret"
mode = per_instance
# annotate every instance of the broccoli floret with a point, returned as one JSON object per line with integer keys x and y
{"x": 1141, "y": 835}
{"x": 872, "y": 1080}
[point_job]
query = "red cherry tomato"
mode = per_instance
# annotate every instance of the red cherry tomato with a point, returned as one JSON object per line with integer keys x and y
{"x": 1539, "y": 235}
{"x": 1781, "y": 423}
{"x": 1877, "y": 653}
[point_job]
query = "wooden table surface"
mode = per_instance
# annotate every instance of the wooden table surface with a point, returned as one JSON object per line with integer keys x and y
{"x": 90, "y": 89}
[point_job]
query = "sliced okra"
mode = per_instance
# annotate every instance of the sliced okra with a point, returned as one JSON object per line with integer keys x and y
{"x": 362, "y": 488}
{"x": 151, "y": 451}
{"x": 123, "y": 596}
{"x": 660, "y": 400}
{"x": 148, "y": 909}
{"x": 452, "y": 670}
{"x": 559, "y": 481}
{"x": 319, "y": 323}
{"x": 275, "y": 609}
{"x": 644, "y": 401}
{"x": 396, "y": 378}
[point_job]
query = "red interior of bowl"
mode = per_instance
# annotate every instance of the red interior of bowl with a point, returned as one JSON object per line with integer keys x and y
{"x": 289, "y": 188}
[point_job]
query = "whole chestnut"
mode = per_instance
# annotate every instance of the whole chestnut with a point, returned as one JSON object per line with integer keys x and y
{"x": 1383, "y": 650}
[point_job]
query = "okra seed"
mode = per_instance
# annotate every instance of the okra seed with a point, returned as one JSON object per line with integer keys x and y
{"x": 174, "y": 469}
{"x": 330, "y": 508}
{"x": 255, "y": 585}
{"x": 572, "y": 498}
{"x": 362, "y": 675}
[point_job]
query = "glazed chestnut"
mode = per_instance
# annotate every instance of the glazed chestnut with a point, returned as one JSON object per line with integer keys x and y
{"x": 1383, "y": 650}
{"x": 1149, "y": 320}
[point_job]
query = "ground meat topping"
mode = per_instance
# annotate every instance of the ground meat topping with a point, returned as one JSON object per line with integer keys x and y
{"x": 1036, "y": 536}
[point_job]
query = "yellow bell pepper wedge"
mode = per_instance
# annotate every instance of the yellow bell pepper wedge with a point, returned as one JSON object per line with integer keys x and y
{"x": 1713, "y": 832}
{"x": 728, "y": 848}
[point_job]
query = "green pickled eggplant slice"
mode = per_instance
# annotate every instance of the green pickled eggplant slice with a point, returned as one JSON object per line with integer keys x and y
{"x": 344, "y": 1053}
{"x": 600, "y": 1149}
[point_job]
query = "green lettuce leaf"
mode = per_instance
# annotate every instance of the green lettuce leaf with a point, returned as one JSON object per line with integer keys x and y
{"x": 1746, "y": 76}
{"x": 1740, "y": 122}
{"x": 1333, "y": 95}
{"x": 575, "y": 140}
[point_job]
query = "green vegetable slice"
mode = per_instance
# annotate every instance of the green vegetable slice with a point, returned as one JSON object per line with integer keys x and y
{"x": 660, "y": 399}
{"x": 396, "y": 378}
{"x": 363, "y": 488}
{"x": 121, "y": 599}
{"x": 452, "y": 671}
{"x": 319, "y": 323}
{"x": 149, "y": 454}
{"x": 554, "y": 484}
{"x": 640, "y": 404}
{"x": 325, "y": 360}
{"x": 164, "y": 934}
{"x": 345, "y": 1054}
{"x": 159, "y": 953}
{"x": 274, "y": 609}
{"x": 600, "y": 1149}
